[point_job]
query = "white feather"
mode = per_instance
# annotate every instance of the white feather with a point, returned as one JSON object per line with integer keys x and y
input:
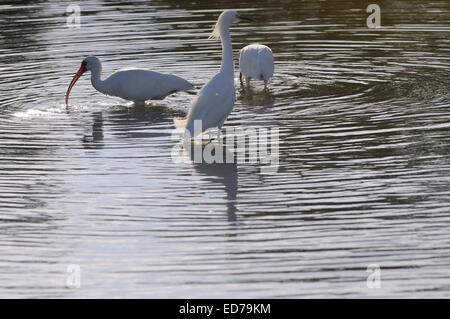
{"x": 212, "y": 105}
{"x": 143, "y": 85}
{"x": 256, "y": 62}
{"x": 131, "y": 84}
{"x": 215, "y": 101}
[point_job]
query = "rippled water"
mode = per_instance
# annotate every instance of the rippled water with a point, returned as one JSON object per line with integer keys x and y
{"x": 364, "y": 167}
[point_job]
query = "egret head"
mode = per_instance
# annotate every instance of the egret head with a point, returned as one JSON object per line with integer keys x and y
{"x": 89, "y": 64}
{"x": 224, "y": 21}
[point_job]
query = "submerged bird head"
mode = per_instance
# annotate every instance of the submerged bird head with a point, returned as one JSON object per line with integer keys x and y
{"x": 91, "y": 63}
{"x": 225, "y": 19}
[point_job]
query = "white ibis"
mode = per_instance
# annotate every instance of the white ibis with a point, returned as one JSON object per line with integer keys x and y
{"x": 256, "y": 62}
{"x": 130, "y": 84}
{"x": 215, "y": 101}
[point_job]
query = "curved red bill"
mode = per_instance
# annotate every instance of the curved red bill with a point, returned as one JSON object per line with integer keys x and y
{"x": 75, "y": 79}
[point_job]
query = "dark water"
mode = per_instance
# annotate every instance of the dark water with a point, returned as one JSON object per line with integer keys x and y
{"x": 364, "y": 164}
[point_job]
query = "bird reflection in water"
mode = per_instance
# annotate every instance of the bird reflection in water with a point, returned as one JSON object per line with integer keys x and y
{"x": 255, "y": 96}
{"x": 223, "y": 173}
{"x": 95, "y": 139}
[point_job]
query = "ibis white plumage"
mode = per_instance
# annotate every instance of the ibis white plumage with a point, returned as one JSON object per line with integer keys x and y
{"x": 215, "y": 101}
{"x": 256, "y": 62}
{"x": 130, "y": 84}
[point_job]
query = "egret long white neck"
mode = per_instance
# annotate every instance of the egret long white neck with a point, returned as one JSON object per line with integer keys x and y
{"x": 96, "y": 80}
{"x": 227, "y": 66}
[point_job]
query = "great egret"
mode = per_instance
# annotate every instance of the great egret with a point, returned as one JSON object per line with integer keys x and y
{"x": 215, "y": 101}
{"x": 256, "y": 62}
{"x": 130, "y": 84}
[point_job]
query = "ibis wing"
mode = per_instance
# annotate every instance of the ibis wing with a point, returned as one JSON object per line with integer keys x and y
{"x": 266, "y": 64}
{"x": 166, "y": 84}
{"x": 256, "y": 61}
{"x": 248, "y": 63}
{"x": 142, "y": 85}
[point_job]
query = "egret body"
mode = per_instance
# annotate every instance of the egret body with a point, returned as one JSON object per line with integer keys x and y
{"x": 130, "y": 84}
{"x": 256, "y": 62}
{"x": 215, "y": 101}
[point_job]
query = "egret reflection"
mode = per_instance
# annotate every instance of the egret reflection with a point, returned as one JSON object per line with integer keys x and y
{"x": 223, "y": 173}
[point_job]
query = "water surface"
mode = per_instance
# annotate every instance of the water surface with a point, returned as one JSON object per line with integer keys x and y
{"x": 364, "y": 167}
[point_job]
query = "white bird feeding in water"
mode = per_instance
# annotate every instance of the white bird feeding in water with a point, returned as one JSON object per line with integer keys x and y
{"x": 215, "y": 101}
{"x": 256, "y": 62}
{"x": 130, "y": 84}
